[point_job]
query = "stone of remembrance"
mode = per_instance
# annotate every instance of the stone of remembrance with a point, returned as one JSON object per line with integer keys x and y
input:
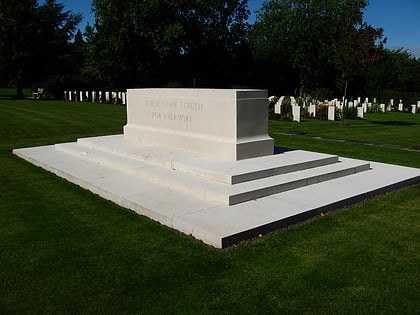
{"x": 201, "y": 161}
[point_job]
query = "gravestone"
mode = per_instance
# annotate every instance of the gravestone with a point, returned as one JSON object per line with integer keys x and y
{"x": 296, "y": 112}
{"x": 331, "y": 112}
{"x": 365, "y": 107}
{"x": 124, "y": 97}
{"x": 382, "y": 107}
{"x": 413, "y": 108}
{"x": 277, "y": 106}
{"x": 200, "y": 120}
{"x": 400, "y": 106}
{"x": 312, "y": 110}
{"x": 360, "y": 112}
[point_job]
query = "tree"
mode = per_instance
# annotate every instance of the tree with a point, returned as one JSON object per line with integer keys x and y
{"x": 17, "y": 39}
{"x": 357, "y": 45}
{"x": 129, "y": 40}
{"x": 313, "y": 36}
{"x": 146, "y": 43}
{"x": 33, "y": 40}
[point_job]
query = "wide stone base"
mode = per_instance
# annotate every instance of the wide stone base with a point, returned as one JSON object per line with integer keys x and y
{"x": 217, "y": 201}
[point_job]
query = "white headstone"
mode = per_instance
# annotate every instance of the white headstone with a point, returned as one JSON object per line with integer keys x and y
{"x": 360, "y": 112}
{"x": 81, "y": 96}
{"x": 331, "y": 112}
{"x": 312, "y": 110}
{"x": 418, "y": 104}
{"x": 391, "y": 101}
{"x": 124, "y": 95}
{"x": 413, "y": 108}
{"x": 382, "y": 106}
{"x": 107, "y": 96}
{"x": 277, "y": 106}
{"x": 293, "y": 100}
{"x": 93, "y": 96}
{"x": 100, "y": 96}
{"x": 351, "y": 104}
{"x": 200, "y": 120}
{"x": 339, "y": 105}
{"x": 365, "y": 107}
{"x": 400, "y": 106}
{"x": 296, "y": 113}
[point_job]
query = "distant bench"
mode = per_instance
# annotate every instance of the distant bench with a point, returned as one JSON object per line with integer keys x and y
{"x": 38, "y": 94}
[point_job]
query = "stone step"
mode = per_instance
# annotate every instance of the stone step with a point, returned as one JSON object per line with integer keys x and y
{"x": 231, "y": 172}
{"x": 209, "y": 189}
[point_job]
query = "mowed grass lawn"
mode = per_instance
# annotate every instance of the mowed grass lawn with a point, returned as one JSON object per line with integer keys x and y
{"x": 65, "y": 250}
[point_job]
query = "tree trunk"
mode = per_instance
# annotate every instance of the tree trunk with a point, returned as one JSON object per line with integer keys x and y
{"x": 344, "y": 100}
{"x": 19, "y": 90}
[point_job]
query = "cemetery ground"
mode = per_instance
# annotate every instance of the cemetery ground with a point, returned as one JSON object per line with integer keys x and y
{"x": 66, "y": 250}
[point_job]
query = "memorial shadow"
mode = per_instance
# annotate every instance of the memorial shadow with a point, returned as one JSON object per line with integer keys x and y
{"x": 280, "y": 150}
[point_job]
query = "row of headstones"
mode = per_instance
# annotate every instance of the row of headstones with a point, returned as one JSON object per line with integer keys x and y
{"x": 362, "y": 108}
{"x": 96, "y": 97}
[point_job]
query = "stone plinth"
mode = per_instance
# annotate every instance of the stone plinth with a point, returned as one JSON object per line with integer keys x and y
{"x": 228, "y": 124}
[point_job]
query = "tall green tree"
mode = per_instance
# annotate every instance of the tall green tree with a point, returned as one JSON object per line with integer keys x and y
{"x": 129, "y": 39}
{"x": 143, "y": 43}
{"x": 17, "y": 38}
{"x": 357, "y": 45}
{"x": 316, "y": 37}
{"x": 34, "y": 40}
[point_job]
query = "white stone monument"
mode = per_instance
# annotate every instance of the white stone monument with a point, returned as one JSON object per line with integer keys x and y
{"x": 200, "y": 161}
{"x": 200, "y": 120}
{"x": 413, "y": 108}
{"x": 360, "y": 112}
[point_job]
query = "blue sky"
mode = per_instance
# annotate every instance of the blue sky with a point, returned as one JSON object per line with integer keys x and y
{"x": 400, "y": 19}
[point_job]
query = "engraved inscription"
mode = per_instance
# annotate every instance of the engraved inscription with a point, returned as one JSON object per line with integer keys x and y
{"x": 173, "y": 110}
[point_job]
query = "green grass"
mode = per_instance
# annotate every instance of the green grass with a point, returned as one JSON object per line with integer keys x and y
{"x": 8, "y": 93}
{"x": 65, "y": 250}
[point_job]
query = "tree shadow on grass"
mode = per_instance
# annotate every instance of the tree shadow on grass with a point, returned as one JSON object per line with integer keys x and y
{"x": 392, "y": 123}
